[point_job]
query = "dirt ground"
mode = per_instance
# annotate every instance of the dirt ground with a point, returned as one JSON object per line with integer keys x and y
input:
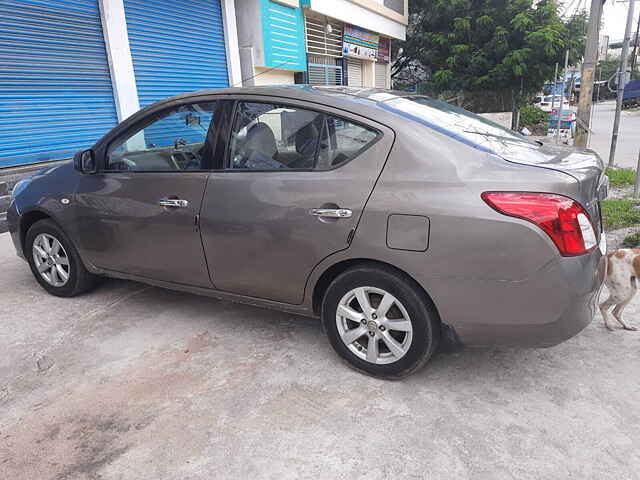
{"x": 134, "y": 382}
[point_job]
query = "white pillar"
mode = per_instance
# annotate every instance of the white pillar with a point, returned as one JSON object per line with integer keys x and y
{"x": 116, "y": 40}
{"x": 231, "y": 42}
{"x": 368, "y": 74}
{"x": 387, "y": 81}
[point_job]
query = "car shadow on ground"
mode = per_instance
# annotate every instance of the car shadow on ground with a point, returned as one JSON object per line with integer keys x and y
{"x": 267, "y": 328}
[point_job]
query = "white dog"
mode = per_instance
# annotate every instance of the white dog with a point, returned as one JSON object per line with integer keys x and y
{"x": 623, "y": 266}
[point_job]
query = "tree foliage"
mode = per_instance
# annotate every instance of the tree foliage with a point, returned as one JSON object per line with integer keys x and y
{"x": 486, "y": 47}
{"x": 576, "y": 35}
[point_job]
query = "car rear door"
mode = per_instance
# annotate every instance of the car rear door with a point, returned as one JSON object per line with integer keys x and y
{"x": 139, "y": 213}
{"x": 294, "y": 184}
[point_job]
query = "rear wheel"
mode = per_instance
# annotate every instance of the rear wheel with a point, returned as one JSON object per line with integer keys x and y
{"x": 54, "y": 261}
{"x": 380, "y": 322}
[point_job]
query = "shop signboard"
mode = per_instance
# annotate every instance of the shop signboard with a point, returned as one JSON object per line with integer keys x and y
{"x": 359, "y": 43}
{"x": 384, "y": 50}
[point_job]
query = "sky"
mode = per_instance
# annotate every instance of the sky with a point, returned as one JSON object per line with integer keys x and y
{"x": 615, "y": 18}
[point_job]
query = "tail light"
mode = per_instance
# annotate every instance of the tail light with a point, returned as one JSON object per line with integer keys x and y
{"x": 563, "y": 219}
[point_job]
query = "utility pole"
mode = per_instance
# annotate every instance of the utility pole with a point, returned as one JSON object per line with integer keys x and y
{"x": 634, "y": 56}
{"x": 636, "y": 188}
{"x": 622, "y": 81}
{"x": 588, "y": 70}
{"x": 564, "y": 79}
{"x": 553, "y": 89}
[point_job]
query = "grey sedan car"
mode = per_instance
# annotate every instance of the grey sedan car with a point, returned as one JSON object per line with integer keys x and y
{"x": 401, "y": 221}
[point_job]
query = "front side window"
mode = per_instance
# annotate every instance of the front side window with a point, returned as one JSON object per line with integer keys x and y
{"x": 173, "y": 142}
{"x": 278, "y": 137}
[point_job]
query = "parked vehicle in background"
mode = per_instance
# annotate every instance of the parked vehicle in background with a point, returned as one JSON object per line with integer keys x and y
{"x": 399, "y": 220}
{"x": 547, "y": 102}
{"x": 631, "y": 95}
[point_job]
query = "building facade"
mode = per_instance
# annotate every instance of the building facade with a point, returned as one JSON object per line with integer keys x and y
{"x": 321, "y": 42}
{"x": 70, "y": 70}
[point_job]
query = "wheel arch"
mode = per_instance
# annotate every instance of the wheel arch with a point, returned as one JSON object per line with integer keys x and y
{"x": 332, "y": 272}
{"x": 27, "y": 220}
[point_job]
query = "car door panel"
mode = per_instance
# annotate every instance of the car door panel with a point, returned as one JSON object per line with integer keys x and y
{"x": 259, "y": 234}
{"x": 138, "y": 215}
{"x": 125, "y": 229}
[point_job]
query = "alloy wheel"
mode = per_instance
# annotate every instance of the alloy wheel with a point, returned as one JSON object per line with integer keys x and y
{"x": 51, "y": 260}
{"x": 374, "y": 325}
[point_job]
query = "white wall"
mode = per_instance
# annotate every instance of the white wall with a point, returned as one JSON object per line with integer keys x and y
{"x": 266, "y": 76}
{"x": 503, "y": 118}
{"x": 362, "y": 17}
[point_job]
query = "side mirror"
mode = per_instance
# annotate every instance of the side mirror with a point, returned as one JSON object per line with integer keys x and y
{"x": 85, "y": 161}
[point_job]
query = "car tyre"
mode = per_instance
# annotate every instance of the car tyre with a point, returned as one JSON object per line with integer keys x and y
{"x": 47, "y": 248}
{"x": 398, "y": 335}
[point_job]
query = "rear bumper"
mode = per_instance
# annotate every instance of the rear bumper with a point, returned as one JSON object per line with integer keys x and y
{"x": 544, "y": 310}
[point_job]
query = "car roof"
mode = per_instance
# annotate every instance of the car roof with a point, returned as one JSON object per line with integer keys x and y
{"x": 361, "y": 101}
{"x": 309, "y": 91}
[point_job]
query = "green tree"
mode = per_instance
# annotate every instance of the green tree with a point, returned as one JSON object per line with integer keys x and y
{"x": 492, "y": 53}
{"x": 604, "y": 72}
{"x": 576, "y": 35}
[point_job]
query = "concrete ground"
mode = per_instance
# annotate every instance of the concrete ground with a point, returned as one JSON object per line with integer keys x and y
{"x": 134, "y": 382}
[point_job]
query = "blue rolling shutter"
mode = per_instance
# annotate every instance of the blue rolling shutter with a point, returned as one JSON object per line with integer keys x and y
{"x": 55, "y": 87}
{"x": 176, "y": 46}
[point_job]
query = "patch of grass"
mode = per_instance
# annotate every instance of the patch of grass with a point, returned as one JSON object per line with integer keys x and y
{"x": 618, "y": 213}
{"x": 632, "y": 241}
{"x": 619, "y": 177}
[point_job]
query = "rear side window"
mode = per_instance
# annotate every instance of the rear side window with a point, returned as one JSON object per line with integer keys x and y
{"x": 274, "y": 137}
{"x": 268, "y": 136}
{"x": 342, "y": 141}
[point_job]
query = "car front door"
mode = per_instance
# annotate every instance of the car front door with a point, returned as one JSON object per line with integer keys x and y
{"x": 295, "y": 182}
{"x": 139, "y": 213}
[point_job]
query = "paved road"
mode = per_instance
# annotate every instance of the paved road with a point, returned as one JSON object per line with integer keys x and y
{"x": 628, "y": 139}
{"x": 134, "y": 382}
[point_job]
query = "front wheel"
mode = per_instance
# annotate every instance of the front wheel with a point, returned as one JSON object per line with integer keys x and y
{"x": 380, "y": 322}
{"x": 54, "y": 261}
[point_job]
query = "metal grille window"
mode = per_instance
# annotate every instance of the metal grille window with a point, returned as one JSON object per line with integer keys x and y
{"x": 324, "y": 70}
{"x": 321, "y": 41}
{"x": 395, "y": 5}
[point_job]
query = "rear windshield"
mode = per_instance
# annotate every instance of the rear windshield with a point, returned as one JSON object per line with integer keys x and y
{"x": 456, "y": 122}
